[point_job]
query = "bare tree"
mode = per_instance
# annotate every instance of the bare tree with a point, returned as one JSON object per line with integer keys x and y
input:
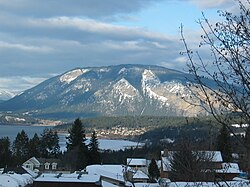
{"x": 229, "y": 43}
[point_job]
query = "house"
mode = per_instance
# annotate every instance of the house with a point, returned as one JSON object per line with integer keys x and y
{"x": 228, "y": 171}
{"x": 138, "y": 176}
{"x": 214, "y": 158}
{"x": 32, "y": 164}
{"x": 109, "y": 174}
{"x": 137, "y": 163}
{"x": 43, "y": 164}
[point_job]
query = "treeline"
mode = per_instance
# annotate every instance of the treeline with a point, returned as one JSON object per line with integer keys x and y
{"x": 151, "y": 122}
{"x": 46, "y": 145}
{"x": 77, "y": 156}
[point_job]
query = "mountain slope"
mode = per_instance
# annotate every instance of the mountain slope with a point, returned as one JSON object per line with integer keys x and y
{"x": 107, "y": 91}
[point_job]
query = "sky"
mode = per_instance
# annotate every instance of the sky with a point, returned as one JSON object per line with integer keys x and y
{"x": 41, "y": 39}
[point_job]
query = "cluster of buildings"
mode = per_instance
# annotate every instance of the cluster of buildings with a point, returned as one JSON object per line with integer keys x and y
{"x": 40, "y": 172}
{"x": 120, "y": 131}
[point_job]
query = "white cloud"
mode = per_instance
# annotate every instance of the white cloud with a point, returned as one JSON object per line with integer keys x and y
{"x": 17, "y": 84}
{"x": 42, "y": 38}
{"x": 213, "y": 3}
{"x": 28, "y": 48}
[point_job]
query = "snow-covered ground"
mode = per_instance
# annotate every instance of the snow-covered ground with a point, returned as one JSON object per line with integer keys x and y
{"x": 15, "y": 180}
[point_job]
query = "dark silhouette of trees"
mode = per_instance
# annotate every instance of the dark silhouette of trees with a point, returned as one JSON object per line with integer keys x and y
{"x": 35, "y": 146}
{"x": 228, "y": 97}
{"x": 77, "y": 150}
{"x": 153, "y": 171}
{"x": 94, "y": 154}
{"x": 224, "y": 144}
{"x": 49, "y": 144}
{"x": 21, "y": 147}
{"x": 5, "y": 152}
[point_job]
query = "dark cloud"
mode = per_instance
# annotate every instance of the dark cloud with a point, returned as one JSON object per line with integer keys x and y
{"x": 40, "y": 38}
{"x": 88, "y": 8}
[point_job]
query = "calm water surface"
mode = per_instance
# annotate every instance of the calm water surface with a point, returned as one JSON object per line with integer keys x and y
{"x": 11, "y": 132}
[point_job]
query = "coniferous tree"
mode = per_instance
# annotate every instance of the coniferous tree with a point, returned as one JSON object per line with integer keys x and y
{"x": 224, "y": 144}
{"x": 34, "y": 146}
{"x": 21, "y": 147}
{"x": 153, "y": 171}
{"x": 5, "y": 152}
{"x": 49, "y": 144}
{"x": 76, "y": 147}
{"x": 94, "y": 155}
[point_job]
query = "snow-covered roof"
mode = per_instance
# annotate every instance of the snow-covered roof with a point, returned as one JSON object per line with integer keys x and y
{"x": 73, "y": 177}
{"x": 229, "y": 168}
{"x": 136, "y": 162}
{"x": 210, "y": 184}
{"x": 140, "y": 175}
{"x": 14, "y": 180}
{"x": 213, "y": 156}
{"x": 111, "y": 171}
{"x": 32, "y": 160}
{"x": 146, "y": 185}
{"x": 30, "y": 172}
{"x": 107, "y": 184}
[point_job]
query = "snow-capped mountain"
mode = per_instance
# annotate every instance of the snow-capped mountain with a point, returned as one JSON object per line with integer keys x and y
{"x": 5, "y": 95}
{"x": 112, "y": 91}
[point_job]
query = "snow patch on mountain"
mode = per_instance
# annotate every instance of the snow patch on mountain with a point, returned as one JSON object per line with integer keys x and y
{"x": 123, "y": 86}
{"x": 124, "y": 90}
{"x": 42, "y": 96}
{"x": 149, "y": 82}
{"x": 72, "y": 75}
{"x": 123, "y": 70}
{"x": 103, "y": 70}
{"x": 10, "y": 118}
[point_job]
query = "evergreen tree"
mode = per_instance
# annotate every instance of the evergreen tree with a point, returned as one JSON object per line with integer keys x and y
{"x": 224, "y": 144}
{"x": 94, "y": 155}
{"x": 34, "y": 146}
{"x": 21, "y": 147}
{"x": 76, "y": 147}
{"x": 49, "y": 144}
{"x": 5, "y": 152}
{"x": 153, "y": 171}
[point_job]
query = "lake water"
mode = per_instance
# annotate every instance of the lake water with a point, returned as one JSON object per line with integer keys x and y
{"x": 11, "y": 132}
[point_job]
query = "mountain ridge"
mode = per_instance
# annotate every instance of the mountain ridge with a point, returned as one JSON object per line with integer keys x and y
{"x": 107, "y": 91}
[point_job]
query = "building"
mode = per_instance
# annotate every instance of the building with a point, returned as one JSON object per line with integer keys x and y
{"x": 43, "y": 165}
{"x": 213, "y": 157}
{"x": 223, "y": 171}
{"x": 228, "y": 171}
